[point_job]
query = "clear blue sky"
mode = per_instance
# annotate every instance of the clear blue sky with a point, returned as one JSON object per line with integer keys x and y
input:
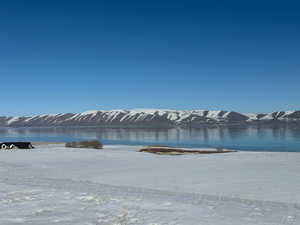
{"x": 72, "y": 56}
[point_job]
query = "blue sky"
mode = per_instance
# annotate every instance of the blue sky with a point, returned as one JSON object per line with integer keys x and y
{"x": 73, "y": 56}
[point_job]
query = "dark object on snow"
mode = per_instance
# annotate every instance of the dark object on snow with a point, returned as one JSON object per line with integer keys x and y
{"x": 179, "y": 151}
{"x": 85, "y": 144}
{"x": 13, "y": 145}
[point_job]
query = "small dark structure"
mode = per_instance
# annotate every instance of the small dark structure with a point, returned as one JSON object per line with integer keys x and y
{"x": 14, "y": 145}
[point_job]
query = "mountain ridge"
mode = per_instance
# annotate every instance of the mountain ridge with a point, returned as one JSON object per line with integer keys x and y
{"x": 152, "y": 118}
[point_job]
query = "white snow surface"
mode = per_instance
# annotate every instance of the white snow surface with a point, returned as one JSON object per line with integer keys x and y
{"x": 118, "y": 186}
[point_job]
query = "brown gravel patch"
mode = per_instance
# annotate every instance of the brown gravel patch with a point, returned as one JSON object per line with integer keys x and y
{"x": 181, "y": 151}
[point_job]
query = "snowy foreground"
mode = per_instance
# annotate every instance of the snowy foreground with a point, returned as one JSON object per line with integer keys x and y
{"x": 119, "y": 186}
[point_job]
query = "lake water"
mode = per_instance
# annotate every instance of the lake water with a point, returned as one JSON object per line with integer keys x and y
{"x": 249, "y": 138}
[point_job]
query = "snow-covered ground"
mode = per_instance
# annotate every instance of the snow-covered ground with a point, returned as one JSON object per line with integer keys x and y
{"x": 119, "y": 186}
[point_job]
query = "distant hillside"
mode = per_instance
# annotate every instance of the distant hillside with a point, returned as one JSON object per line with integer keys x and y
{"x": 155, "y": 118}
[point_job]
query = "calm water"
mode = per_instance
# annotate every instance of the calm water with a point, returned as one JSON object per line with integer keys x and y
{"x": 266, "y": 139}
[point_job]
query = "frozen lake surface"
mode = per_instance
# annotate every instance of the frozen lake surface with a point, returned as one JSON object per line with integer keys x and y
{"x": 119, "y": 186}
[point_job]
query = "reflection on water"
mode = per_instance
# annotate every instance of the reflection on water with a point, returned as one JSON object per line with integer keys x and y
{"x": 243, "y": 138}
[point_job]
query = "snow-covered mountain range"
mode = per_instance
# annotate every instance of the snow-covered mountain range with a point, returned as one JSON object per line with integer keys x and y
{"x": 152, "y": 118}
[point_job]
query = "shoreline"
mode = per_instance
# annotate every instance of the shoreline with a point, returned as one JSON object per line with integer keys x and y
{"x": 43, "y": 143}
